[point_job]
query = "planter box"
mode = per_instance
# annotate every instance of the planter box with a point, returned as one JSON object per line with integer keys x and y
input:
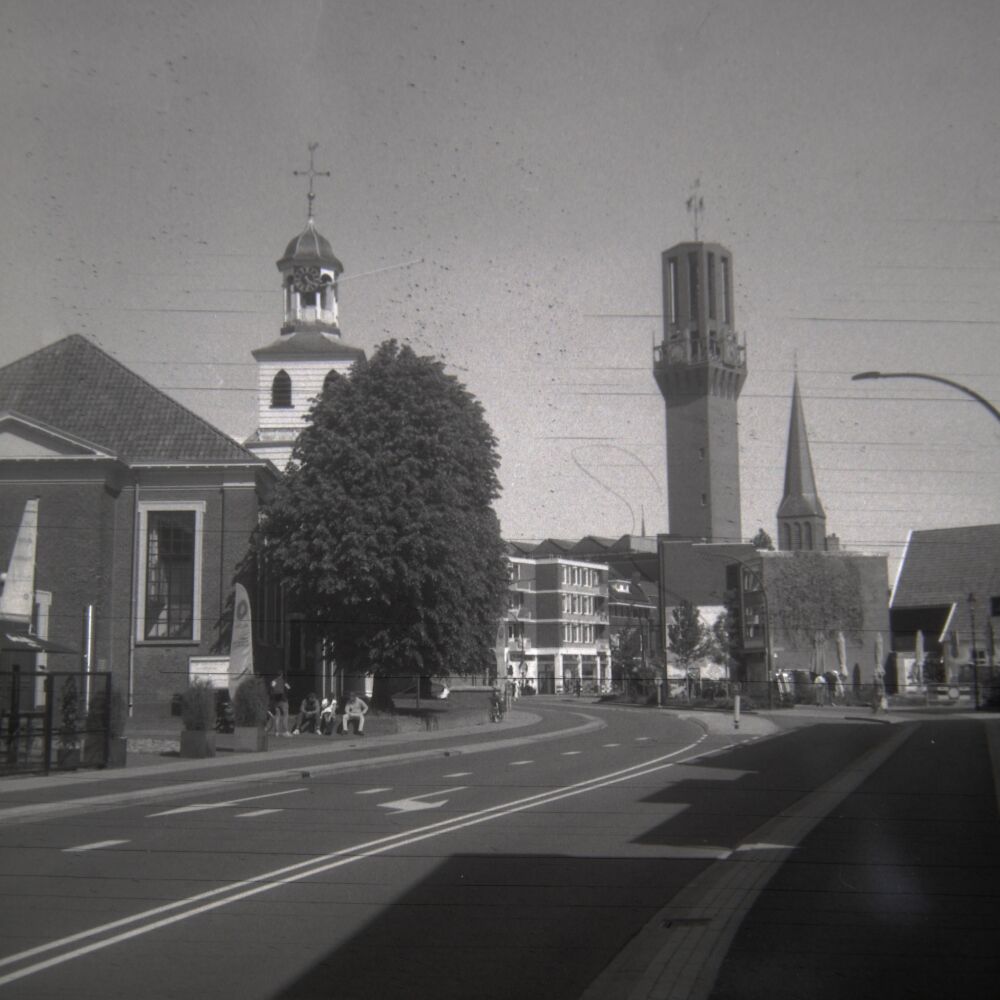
{"x": 248, "y": 739}
{"x": 197, "y": 743}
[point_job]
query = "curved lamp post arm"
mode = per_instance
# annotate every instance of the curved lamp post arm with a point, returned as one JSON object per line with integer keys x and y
{"x": 972, "y": 394}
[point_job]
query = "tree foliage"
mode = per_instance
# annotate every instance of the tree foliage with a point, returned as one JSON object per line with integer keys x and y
{"x": 814, "y": 595}
{"x": 382, "y": 528}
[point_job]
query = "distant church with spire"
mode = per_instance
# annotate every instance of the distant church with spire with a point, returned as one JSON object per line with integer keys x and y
{"x": 801, "y": 517}
{"x": 291, "y": 370}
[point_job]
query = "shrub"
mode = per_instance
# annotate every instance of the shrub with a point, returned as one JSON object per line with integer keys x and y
{"x": 250, "y": 703}
{"x": 198, "y": 706}
{"x": 69, "y": 737}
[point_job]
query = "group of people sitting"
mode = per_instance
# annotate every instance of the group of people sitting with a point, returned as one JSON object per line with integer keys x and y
{"x": 315, "y": 716}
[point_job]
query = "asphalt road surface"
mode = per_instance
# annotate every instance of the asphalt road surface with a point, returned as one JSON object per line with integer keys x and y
{"x": 530, "y": 862}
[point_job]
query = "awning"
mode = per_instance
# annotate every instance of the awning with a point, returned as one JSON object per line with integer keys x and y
{"x": 17, "y": 639}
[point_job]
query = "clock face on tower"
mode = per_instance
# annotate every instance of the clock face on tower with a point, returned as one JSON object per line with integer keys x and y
{"x": 306, "y": 279}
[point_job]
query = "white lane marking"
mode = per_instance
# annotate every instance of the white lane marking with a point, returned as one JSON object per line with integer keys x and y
{"x": 571, "y": 753}
{"x": 612, "y": 744}
{"x": 202, "y": 806}
{"x": 520, "y": 763}
{"x": 213, "y": 899}
{"x": 415, "y": 803}
{"x": 458, "y": 774}
{"x": 257, "y": 812}
{"x": 642, "y": 739}
{"x": 96, "y": 846}
{"x": 765, "y": 847}
{"x": 374, "y": 791}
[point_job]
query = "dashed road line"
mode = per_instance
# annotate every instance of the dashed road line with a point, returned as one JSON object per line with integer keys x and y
{"x": 612, "y": 744}
{"x": 458, "y": 774}
{"x": 203, "y": 806}
{"x": 257, "y": 812}
{"x": 520, "y": 763}
{"x": 98, "y": 845}
{"x": 571, "y": 753}
{"x": 374, "y": 791}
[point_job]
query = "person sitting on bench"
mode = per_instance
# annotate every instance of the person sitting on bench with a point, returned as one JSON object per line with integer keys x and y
{"x": 308, "y": 721}
{"x": 355, "y": 710}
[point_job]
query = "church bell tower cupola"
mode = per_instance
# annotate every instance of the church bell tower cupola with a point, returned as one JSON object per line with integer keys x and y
{"x": 292, "y": 370}
{"x": 309, "y": 272}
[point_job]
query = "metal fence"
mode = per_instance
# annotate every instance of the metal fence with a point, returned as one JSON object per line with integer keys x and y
{"x": 56, "y": 720}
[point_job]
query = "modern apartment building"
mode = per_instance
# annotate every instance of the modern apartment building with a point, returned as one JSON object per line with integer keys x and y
{"x": 557, "y": 624}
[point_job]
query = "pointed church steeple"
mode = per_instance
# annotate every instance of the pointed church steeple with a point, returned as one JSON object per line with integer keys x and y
{"x": 801, "y": 518}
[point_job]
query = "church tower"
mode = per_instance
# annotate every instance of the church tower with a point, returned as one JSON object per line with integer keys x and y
{"x": 801, "y": 518}
{"x": 700, "y": 368}
{"x": 291, "y": 369}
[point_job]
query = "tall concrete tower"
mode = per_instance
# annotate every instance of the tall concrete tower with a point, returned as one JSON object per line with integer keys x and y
{"x": 700, "y": 368}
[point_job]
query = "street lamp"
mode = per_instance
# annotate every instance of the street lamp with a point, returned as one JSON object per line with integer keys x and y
{"x": 864, "y": 376}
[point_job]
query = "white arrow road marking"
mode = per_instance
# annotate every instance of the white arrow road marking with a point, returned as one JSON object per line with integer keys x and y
{"x": 202, "y": 806}
{"x": 96, "y": 846}
{"x": 414, "y": 803}
{"x": 374, "y": 791}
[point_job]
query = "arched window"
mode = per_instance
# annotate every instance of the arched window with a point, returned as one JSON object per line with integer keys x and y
{"x": 281, "y": 391}
{"x": 808, "y": 540}
{"x": 786, "y": 532}
{"x": 798, "y": 536}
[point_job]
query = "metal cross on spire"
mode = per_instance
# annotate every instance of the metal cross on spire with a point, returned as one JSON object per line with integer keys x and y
{"x": 311, "y": 173}
{"x": 695, "y": 205}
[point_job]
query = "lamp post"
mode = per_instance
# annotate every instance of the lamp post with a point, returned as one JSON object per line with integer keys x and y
{"x": 864, "y": 376}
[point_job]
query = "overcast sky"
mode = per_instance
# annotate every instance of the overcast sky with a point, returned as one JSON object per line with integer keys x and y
{"x": 519, "y": 165}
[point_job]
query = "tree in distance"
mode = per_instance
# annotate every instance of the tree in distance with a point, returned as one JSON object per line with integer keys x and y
{"x": 383, "y": 530}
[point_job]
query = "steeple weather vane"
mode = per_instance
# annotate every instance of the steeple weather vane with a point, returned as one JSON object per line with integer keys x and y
{"x": 311, "y": 173}
{"x": 695, "y": 205}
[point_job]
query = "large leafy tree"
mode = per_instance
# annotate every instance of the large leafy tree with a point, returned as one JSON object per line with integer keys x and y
{"x": 383, "y": 529}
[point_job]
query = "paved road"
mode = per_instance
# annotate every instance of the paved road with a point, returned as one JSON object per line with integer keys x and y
{"x": 522, "y": 864}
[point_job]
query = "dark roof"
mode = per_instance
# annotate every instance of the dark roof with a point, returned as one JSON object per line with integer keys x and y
{"x": 305, "y": 344}
{"x": 945, "y": 565}
{"x": 310, "y": 247}
{"x": 74, "y": 386}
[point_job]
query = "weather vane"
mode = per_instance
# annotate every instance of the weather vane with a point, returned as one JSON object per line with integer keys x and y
{"x": 311, "y": 173}
{"x": 695, "y": 206}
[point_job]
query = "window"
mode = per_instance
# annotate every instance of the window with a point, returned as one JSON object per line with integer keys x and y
{"x": 726, "y": 299}
{"x": 693, "y": 283}
{"x": 170, "y": 538}
{"x": 711, "y": 286}
{"x": 281, "y": 391}
{"x": 675, "y": 291}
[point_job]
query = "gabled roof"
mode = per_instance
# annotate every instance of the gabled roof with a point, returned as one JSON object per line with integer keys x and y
{"x": 79, "y": 389}
{"x": 942, "y": 566}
